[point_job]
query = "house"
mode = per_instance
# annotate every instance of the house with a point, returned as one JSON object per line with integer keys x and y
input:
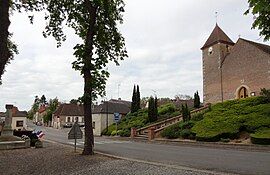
{"x": 67, "y": 114}
{"x": 233, "y": 70}
{"x": 102, "y": 115}
{"x": 38, "y": 117}
{"x": 18, "y": 119}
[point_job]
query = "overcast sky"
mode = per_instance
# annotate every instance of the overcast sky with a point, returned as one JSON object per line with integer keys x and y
{"x": 163, "y": 39}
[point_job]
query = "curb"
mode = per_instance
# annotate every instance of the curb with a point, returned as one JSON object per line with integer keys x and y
{"x": 216, "y": 145}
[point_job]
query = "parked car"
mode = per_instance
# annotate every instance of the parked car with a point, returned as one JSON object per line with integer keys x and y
{"x": 67, "y": 125}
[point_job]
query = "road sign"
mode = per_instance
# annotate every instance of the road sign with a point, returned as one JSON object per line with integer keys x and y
{"x": 75, "y": 133}
{"x": 117, "y": 117}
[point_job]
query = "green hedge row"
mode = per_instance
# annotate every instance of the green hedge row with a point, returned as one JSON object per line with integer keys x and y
{"x": 262, "y": 136}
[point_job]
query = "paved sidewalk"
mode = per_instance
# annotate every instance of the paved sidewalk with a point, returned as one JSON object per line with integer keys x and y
{"x": 60, "y": 159}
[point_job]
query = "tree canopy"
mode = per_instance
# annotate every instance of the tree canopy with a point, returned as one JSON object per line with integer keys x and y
{"x": 7, "y": 7}
{"x": 261, "y": 11}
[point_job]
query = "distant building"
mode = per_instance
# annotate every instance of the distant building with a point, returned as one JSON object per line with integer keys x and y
{"x": 102, "y": 115}
{"x": 67, "y": 114}
{"x": 39, "y": 115}
{"x": 233, "y": 70}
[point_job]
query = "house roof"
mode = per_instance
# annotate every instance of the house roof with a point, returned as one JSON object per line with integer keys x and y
{"x": 106, "y": 107}
{"x": 217, "y": 36}
{"x": 259, "y": 46}
{"x": 111, "y": 107}
{"x": 69, "y": 110}
{"x": 128, "y": 103}
{"x": 263, "y": 47}
{"x": 17, "y": 113}
{"x": 42, "y": 108}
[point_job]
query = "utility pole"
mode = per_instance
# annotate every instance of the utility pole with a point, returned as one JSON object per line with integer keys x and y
{"x": 118, "y": 86}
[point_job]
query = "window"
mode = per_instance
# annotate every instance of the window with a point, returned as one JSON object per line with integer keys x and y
{"x": 68, "y": 119}
{"x": 76, "y": 119}
{"x": 19, "y": 123}
{"x": 94, "y": 125}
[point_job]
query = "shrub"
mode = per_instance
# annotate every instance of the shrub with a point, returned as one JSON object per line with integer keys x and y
{"x": 225, "y": 140}
{"x": 124, "y": 133}
{"x": 167, "y": 108}
{"x": 266, "y": 93}
{"x": 186, "y": 125}
{"x": 171, "y": 132}
{"x": 225, "y": 120}
{"x": 198, "y": 116}
{"x": 113, "y": 133}
{"x": 187, "y": 134}
{"x": 262, "y": 136}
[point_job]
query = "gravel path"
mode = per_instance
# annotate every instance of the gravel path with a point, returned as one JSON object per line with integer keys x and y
{"x": 60, "y": 159}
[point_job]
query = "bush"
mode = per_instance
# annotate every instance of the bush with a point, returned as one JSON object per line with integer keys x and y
{"x": 262, "y": 136}
{"x": 225, "y": 140}
{"x": 186, "y": 125}
{"x": 197, "y": 117}
{"x": 266, "y": 93}
{"x": 225, "y": 120}
{"x": 113, "y": 133}
{"x": 167, "y": 108}
{"x": 171, "y": 132}
{"x": 187, "y": 134}
{"x": 124, "y": 133}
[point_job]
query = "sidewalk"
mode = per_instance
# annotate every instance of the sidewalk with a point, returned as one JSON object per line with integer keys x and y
{"x": 61, "y": 159}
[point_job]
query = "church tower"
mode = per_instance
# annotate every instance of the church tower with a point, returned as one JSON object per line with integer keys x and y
{"x": 214, "y": 51}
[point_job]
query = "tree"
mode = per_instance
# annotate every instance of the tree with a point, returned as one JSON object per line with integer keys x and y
{"x": 34, "y": 108}
{"x": 43, "y": 100}
{"x": 133, "y": 102}
{"x": 53, "y": 104}
{"x": 95, "y": 22}
{"x": 7, "y": 47}
{"x": 261, "y": 10}
{"x": 152, "y": 109}
{"x": 185, "y": 113}
{"x": 138, "y": 99}
{"x": 196, "y": 100}
{"x": 156, "y": 109}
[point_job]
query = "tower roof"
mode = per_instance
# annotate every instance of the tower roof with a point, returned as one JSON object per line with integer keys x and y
{"x": 217, "y": 36}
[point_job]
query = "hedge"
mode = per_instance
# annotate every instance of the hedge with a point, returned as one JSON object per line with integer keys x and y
{"x": 262, "y": 137}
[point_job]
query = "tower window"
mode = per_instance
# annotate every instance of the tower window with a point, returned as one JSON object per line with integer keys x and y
{"x": 210, "y": 51}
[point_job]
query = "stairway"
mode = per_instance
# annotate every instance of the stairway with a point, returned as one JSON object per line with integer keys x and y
{"x": 157, "y": 128}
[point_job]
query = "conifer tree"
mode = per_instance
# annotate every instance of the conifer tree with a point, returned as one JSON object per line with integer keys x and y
{"x": 133, "y": 103}
{"x": 197, "y": 102}
{"x": 138, "y": 98}
{"x": 156, "y": 109}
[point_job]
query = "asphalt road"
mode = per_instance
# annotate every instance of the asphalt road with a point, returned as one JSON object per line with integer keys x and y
{"x": 204, "y": 158}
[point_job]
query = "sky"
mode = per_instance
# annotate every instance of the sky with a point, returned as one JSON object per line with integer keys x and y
{"x": 163, "y": 40}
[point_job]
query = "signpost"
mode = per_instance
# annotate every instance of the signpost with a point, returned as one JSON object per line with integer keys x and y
{"x": 75, "y": 133}
{"x": 117, "y": 118}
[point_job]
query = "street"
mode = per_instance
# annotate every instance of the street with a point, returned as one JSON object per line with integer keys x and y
{"x": 218, "y": 160}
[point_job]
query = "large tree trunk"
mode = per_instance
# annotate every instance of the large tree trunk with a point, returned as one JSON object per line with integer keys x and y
{"x": 4, "y": 24}
{"x": 89, "y": 137}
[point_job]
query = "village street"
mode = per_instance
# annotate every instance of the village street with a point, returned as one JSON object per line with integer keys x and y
{"x": 180, "y": 156}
